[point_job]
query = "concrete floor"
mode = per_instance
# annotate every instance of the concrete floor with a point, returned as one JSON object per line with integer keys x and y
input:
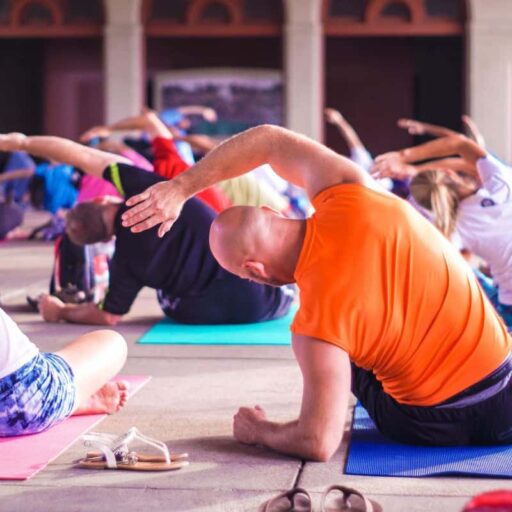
{"x": 189, "y": 404}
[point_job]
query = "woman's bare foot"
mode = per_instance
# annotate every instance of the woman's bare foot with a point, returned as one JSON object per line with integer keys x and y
{"x": 109, "y": 399}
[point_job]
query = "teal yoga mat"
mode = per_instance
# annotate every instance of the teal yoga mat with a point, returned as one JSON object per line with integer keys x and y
{"x": 272, "y": 332}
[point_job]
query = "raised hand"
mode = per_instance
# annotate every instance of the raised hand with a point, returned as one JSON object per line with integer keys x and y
{"x": 392, "y": 165}
{"x": 12, "y": 141}
{"x": 158, "y": 204}
{"x": 333, "y": 116}
{"x": 95, "y": 131}
{"x": 413, "y": 127}
{"x": 209, "y": 115}
{"x": 473, "y": 131}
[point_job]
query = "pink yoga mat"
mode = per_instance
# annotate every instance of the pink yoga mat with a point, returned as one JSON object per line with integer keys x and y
{"x": 23, "y": 457}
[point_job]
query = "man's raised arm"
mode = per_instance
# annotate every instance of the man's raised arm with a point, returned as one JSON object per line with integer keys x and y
{"x": 91, "y": 161}
{"x": 294, "y": 157}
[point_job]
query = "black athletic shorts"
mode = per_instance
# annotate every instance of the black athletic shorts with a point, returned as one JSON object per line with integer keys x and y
{"x": 480, "y": 415}
{"x": 229, "y": 300}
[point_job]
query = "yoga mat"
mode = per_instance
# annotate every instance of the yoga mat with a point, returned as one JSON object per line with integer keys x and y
{"x": 372, "y": 454}
{"x": 24, "y": 456}
{"x": 272, "y": 332}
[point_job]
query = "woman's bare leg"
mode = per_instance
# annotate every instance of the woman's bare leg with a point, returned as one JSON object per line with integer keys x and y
{"x": 95, "y": 358}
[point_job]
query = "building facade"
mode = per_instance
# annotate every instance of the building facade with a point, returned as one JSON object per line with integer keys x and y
{"x": 69, "y": 64}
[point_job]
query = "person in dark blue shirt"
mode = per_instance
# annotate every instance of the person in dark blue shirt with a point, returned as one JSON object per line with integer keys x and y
{"x": 192, "y": 287}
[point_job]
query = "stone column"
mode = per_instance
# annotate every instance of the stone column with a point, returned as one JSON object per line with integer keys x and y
{"x": 123, "y": 59}
{"x": 304, "y": 67}
{"x": 490, "y": 72}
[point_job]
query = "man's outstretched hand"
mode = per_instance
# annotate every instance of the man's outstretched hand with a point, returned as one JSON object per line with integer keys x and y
{"x": 11, "y": 141}
{"x": 158, "y": 204}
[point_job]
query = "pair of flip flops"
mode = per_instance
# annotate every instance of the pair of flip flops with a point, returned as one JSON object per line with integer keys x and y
{"x": 335, "y": 498}
{"x": 113, "y": 452}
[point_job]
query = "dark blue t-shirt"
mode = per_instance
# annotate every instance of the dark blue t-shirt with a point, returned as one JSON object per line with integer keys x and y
{"x": 181, "y": 263}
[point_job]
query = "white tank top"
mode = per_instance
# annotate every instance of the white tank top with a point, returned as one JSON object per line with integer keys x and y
{"x": 15, "y": 348}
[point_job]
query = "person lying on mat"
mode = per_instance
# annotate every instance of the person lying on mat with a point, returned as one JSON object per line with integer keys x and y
{"x": 191, "y": 286}
{"x": 388, "y": 307}
{"x": 39, "y": 390}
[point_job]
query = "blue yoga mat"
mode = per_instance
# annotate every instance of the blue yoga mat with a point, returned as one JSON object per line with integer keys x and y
{"x": 372, "y": 454}
{"x": 272, "y": 332}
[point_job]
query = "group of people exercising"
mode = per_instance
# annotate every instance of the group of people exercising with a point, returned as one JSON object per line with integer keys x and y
{"x": 388, "y": 307}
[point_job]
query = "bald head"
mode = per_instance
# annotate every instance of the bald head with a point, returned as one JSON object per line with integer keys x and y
{"x": 256, "y": 243}
{"x": 235, "y": 234}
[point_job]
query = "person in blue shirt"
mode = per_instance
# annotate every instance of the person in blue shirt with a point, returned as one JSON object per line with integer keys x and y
{"x": 52, "y": 185}
{"x": 16, "y": 190}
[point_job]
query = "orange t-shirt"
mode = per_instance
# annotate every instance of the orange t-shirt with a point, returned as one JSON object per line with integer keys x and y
{"x": 379, "y": 281}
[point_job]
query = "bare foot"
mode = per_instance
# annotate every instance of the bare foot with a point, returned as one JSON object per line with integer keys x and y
{"x": 109, "y": 399}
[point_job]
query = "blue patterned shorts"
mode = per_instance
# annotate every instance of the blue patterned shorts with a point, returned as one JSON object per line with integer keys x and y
{"x": 37, "y": 396}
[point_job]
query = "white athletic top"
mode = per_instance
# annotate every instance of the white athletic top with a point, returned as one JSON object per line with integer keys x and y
{"x": 362, "y": 157}
{"x": 15, "y": 348}
{"x": 484, "y": 223}
{"x": 266, "y": 174}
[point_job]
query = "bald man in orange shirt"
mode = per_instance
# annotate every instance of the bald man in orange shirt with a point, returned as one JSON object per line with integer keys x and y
{"x": 387, "y": 305}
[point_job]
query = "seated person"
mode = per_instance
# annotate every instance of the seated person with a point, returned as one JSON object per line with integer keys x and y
{"x": 39, "y": 390}
{"x": 11, "y": 217}
{"x": 192, "y": 286}
{"x": 388, "y": 308}
{"x": 16, "y": 190}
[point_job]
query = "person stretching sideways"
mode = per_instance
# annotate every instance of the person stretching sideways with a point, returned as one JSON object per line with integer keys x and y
{"x": 167, "y": 161}
{"x": 191, "y": 286}
{"x": 387, "y": 306}
{"x": 475, "y": 204}
{"x": 39, "y": 390}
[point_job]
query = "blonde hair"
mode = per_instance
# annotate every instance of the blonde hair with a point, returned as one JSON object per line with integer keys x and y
{"x": 435, "y": 191}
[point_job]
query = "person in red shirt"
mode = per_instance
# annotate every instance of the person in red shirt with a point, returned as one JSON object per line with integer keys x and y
{"x": 167, "y": 161}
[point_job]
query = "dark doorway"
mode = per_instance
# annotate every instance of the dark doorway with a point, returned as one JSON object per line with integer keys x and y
{"x": 21, "y": 87}
{"x": 374, "y": 81}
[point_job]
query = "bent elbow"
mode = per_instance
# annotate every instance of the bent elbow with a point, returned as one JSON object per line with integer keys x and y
{"x": 322, "y": 450}
{"x": 322, "y": 454}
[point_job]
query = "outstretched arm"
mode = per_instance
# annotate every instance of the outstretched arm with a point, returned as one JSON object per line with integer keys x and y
{"x": 53, "y": 309}
{"x": 460, "y": 145}
{"x": 346, "y": 130}
{"x": 148, "y": 122}
{"x": 473, "y": 131}
{"x": 18, "y": 174}
{"x": 317, "y": 433}
{"x": 294, "y": 157}
{"x": 91, "y": 161}
{"x": 207, "y": 113}
{"x": 419, "y": 128}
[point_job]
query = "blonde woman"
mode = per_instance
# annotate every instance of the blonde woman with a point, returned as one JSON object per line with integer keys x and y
{"x": 469, "y": 196}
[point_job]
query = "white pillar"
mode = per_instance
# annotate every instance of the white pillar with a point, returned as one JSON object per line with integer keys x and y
{"x": 123, "y": 59}
{"x": 304, "y": 67}
{"x": 490, "y": 72}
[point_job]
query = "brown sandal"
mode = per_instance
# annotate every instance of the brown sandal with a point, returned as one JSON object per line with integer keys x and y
{"x": 294, "y": 500}
{"x": 351, "y": 500}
